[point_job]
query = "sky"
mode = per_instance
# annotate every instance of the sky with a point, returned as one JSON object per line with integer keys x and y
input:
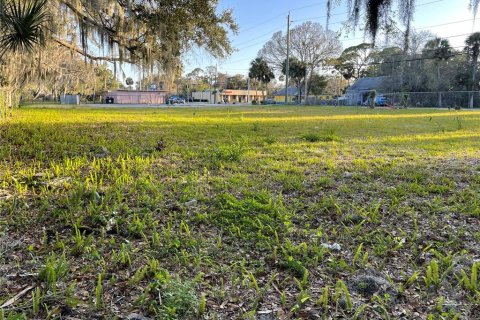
{"x": 258, "y": 20}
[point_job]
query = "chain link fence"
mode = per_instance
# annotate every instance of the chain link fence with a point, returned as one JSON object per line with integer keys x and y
{"x": 445, "y": 99}
{"x": 324, "y": 100}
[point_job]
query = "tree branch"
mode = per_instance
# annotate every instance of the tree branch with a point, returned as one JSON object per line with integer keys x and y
{"x": 85, "y": 54}
{"x": 133, "y": 43}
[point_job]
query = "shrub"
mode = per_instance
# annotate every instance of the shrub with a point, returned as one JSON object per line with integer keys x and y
{"x": 311, "y": 137}
{"x": 372, "y": 95}
{"x": 328, "y": 136}
{"x": 405, "y": 100}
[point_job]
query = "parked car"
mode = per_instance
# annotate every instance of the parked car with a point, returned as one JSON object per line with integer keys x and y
{"x": 380, "y": 100}
{"x": 270, "y": 101}
{"x": 342, "y": 100}
{"x": 175, "y": 100}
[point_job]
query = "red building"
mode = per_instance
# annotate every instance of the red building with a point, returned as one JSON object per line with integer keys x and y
{"x": 136, "y": 97}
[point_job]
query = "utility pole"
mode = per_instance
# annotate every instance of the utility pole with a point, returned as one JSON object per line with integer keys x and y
{"x": 141, "y": 77}
{"x": 287, "y": 69}
{"x": 248, "y": 90}
{"x": 216, "y": 84}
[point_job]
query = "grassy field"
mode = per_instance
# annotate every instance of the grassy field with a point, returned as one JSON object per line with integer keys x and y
{"x": 232, "y": 213}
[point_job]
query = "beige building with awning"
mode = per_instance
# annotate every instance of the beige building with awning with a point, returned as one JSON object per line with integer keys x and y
{"x": 242, "y": 96}
{"x": 230, "y": 96}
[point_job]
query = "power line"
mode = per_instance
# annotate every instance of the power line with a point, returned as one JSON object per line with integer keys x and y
{"x": 280, "y": 29}
{"x": 399, "y": 54}
{"x": 296, "y": 21}
{"x": 282, "y": 14}
{"x": 427, "y": 3}
{"x": 341, "y": 22}
{"x": 351, "y": 39}
{"x": 260, "y": 36}
{"x": 453, "y": 54}
{"x": 315, "y": 18}
{"x": 293, "y": 22}
{"x": 413, "y": 59}
{"x": 395, "y": 54}
{"x": 260, "y": 42}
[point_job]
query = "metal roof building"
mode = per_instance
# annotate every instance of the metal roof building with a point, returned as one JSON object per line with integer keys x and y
{"x": 292, "y": 93}
{"x": 358, "y": 92}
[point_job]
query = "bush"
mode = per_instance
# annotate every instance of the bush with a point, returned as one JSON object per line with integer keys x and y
{"x": 372, "y": 95}
{"x": 328, "y": 136}
{"x": 405, "y": 100}
{"x": 311, "y": 137}
{"x": 254, "y": 102}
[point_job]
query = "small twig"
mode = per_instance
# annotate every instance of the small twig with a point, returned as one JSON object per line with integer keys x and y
{"x": 12, "y": 300}
{"x": 46, "y": 298}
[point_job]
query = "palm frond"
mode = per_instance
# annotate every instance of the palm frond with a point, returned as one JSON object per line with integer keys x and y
{"x": 23, "y": 25}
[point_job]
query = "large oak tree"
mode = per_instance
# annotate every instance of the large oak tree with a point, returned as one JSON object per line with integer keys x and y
{"x": 310, "y": 43}
{"x": 137, "y": 31}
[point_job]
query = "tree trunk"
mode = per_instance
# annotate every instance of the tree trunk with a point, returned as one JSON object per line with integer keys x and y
{"x": 306, "y": 86}
{"x": 299, "y": 91}
{"x": 264, "y": 88}
{"x": 438, "y": 86}
{"x": 310, "y": 81}
{"x": 474, "y": 77}
{"x": 438, "y": 75}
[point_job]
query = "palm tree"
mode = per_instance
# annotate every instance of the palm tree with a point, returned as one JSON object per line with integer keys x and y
{"x": 473, "y": 49}
{"x": 440, "y": 50}
{"x": 23, "y": 25}
{"x": 260, "y": 71}
{"x": 298, "y": 72}
{"x": 22, "y": 28}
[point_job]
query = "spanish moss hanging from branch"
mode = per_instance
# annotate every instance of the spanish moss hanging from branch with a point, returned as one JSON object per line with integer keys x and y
{"x": 329, "y": 12}
{"x": 138, "y": 32}
{"x": 354, "y": 7}
{"x": 375, "y": 11}
{"x": 406, "y": 15}
{"x": 474, "y": 7}
{"x": 379, "y": 14}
